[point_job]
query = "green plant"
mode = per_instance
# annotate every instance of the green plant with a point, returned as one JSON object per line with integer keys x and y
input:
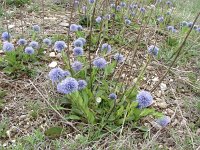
{"x": 18, "y": 2}
{"x": 4, "y": 126}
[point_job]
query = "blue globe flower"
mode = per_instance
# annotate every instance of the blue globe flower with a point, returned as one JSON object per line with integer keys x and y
{"x": 34, "y": 44}
{"x": 82, "y": 84}
{"x": 113, "y": 96}
{"x": 78, "y": 51}
{"x": 106, "y": 47}
{"x": 99, "y": 63}
{"x": 22, "y": 42}
{"x": 7, "y": 47}
{"x": 78, "y": 43}
{"x": 91, "y": 1}
{"x": 83, "y": 40}
{"x": 47, "y": 41}
{"x": 119, "y": 57}
{"x": 153, "y": 50}
{"x": 56, "y": 74}
{"x": 144, "y": 99}
{"x": 123, "y": 4}
{"x": 36, "y": 28}
{"x": 77, "y": 66}
{"x": 98, "y": 19}
{"x": 118, "y": 8}
{"x": 29, "y": 50}
{"x": 170, "y": 28}
{"x": 142, "y": 10}
{"x": 163, "y": 121}
{"x": 190, "y": 24}
{"x": 5, "y": 36}
{"x": 73, "y": 27}
{"x": 67, "y": 86}
{"x": 127, "y": 22}
{"x": 59, "y": 46}
{"x": 160, "y": 19}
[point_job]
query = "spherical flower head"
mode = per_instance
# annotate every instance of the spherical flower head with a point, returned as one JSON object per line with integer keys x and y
{"x": 99, "y": 62}
{"x": 78, "y": 43}
{"x": 7, "y": 47}
{"x": 83, "y": 40}
{"x": 29, "y": 50}
{"x": 170, "y": 28}
{"x": 133, "y": 14}
{"x": 168, "y": 13}
{"x": 113, "y": 96}
{"x": 91, "y": 1}
{"x": 184, "y": 23}
{"x": 119, "y": 57}
{"x": 163, "y": 121}
{"x": 98, "y": 19}
{"x": 59, "y": 46}
{"x": 36, "y": 28}
{"x": 78, "y": 51}
{"x": 118, "y": 8}
{"x": 5, "y": 36}
{"x": 190, "y": 24}
{"x": 106, "y": 47}
{"x": 160, "y": 19}
{"x": 47, "y": 41}
{"x": 82, "y": 84}
{"x": 153, "y": 50}
{"x": 123, "y": 4}
{"x": 67, "y": 86}
{"x": 144, "y": 99}
{"x": 22, "y": 42}
{"x": 198, "y": 30}
{"x": 77, "y": 66}
{"x": 34, "y": 44}
{"x": 169, "y": 3}
{"x": 79, "y": 28}
{"x": 142, "y": 10}
{"x": 56, "y": 74}
{"x": 127, "y": 22}
{"x": 73, "y": 28}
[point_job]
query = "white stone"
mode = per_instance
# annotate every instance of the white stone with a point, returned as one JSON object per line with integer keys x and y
{"x": 163, "y": 87}
{"x": 98, "y": 99}
{"x": 52, "y": 54}
{"x": 162, "y": 105}
{"x": 64, "y": 24}
{"x": 11, "y": 26}
{"x": 53, "y": 64}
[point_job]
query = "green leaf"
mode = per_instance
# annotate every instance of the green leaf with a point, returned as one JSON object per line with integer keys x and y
{"x": 147, "y": 111}
{"x": 73, "y": 117}
{"x": 120, "y": 111}
{"x": 54, "y": 132}
{"x": 157, "y": 114}
{"x": 110, "y": 68}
